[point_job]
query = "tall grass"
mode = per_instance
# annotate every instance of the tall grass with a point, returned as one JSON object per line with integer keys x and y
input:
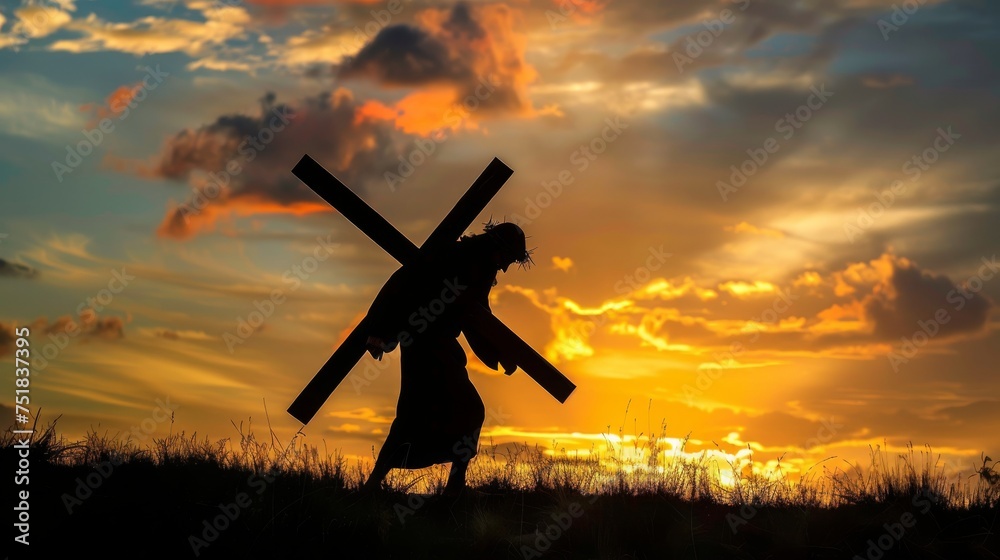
{"x": 888, "y": 477}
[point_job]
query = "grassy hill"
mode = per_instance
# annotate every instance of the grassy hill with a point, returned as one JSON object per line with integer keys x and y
{"x": 185, "y": 497}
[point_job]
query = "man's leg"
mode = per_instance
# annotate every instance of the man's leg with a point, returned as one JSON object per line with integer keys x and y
{"x": 456, "y": 479}
{"x": 378, "y": 473}
{"x": 473, "y": 415}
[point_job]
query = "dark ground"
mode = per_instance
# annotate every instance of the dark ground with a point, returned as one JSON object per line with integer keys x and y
{"x": 147, "y": 510}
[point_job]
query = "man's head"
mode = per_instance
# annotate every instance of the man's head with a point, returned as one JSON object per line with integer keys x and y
{"x": 509, "y": 244}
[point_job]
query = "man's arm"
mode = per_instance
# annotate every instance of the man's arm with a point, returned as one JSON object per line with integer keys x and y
{"x": 383, "y": 314}
{"x": 481, "y": 346}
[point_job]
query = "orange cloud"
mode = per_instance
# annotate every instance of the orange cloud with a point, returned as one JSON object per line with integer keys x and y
{"x": 895, "y": 298}
{"x": 661, "y": 288}
{"x": 421, "y": 113}
{"x": 748, "y": 289}
{"x": 88, "y": 324}
{"x": 839, "y": 318}
{"x": 238, "y": 164}
{"x": 183, "y": 224}
{"x": 115, "y": 104}
{"x": 467, "y": 61}
{"x": 857, "y": 275}
{"x": 562, "y": 263}
{"x": 809, "y": 278}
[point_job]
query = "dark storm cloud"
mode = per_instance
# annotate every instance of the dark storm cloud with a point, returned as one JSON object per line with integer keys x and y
{"x": 403, "y": 55}
{"x": 16, "y": 270}
{"x": 464, "y": 47}
{"x": 917, "y": 296}
{"x": 462, "y": 25}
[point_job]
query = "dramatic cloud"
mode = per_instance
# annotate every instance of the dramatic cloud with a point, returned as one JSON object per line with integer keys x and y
{"x": 763, "y": 286}
{"x": 743, "y": 289}
{"x": 909, "y": 296}
{"x": 16, "y": 270}
{"x": 878, "y": 302}
{"x": 402, "y": 55}
{"x": 239, "y": 164}
{"x": 469, "y": 63}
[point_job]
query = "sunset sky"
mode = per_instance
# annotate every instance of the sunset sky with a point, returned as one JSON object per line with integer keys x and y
{"x": 743, "y": 212}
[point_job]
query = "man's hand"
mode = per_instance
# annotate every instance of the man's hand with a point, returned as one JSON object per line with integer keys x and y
{"x": 376, "y": 346}
{"x": 508, "y": 367}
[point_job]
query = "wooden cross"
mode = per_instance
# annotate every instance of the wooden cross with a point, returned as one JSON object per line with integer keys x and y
{"x": 477, "y": 319}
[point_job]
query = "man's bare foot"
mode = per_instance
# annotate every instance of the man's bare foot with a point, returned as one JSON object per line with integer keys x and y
{"x": 369, "y": 488}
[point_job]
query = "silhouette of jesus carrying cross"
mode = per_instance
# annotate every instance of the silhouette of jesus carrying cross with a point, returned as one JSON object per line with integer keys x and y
{"x": 440, "y": 291}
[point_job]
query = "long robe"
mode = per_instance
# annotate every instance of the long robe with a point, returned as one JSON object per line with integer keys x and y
{"x": 439, "y": 413}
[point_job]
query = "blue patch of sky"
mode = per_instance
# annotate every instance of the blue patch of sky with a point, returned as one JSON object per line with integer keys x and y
{"x": 782, "y": 45}
{"x": 937, "y": 46}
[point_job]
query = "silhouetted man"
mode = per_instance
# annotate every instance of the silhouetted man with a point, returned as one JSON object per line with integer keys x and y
{"x": 439, "y": 413}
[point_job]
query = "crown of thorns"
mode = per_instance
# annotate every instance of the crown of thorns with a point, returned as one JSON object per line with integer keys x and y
{"x": 521, "y": 257}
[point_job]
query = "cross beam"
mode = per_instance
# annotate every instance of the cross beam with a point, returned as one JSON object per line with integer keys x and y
{"x": 478, "y": 318}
